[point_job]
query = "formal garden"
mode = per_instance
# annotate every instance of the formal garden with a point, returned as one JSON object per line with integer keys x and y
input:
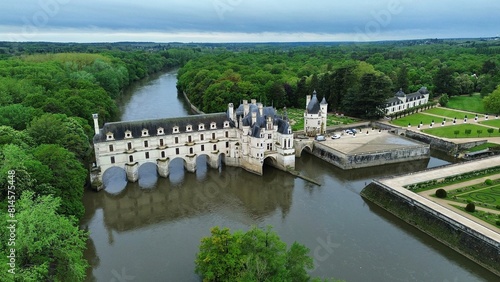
{"x": 296, "y": 117}
{"x": 469, "y": 192}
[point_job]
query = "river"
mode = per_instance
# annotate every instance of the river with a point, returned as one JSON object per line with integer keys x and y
{"x": 152, "y": 229}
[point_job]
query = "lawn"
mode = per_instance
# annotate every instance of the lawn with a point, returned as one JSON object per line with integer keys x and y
{"x": 472, "y": 103}
{"x": 415, "y": 119}
{"x": 450, "y": 113}
{"x": 449, "y": 131}
{"x": 482, "y": 147}
{"x": 492, "y": 122}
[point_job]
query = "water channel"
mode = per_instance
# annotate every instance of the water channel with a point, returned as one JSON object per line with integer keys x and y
{"x": 151, "y": 230}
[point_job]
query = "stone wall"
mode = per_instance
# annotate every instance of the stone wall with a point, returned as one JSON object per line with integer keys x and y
{"x": 372, "y": 158}
{"x": 448, "y": 147}
{"x": 446, "y": 230}
{"x": 193, "y": 107}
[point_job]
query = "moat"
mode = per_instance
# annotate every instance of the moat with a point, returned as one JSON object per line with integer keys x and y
{"x": 151, "y": 231}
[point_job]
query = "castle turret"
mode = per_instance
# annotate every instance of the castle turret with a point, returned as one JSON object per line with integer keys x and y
{"x": 96, "y": 123}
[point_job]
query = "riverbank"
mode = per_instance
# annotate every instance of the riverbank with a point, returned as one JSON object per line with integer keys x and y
{"x": 469, "y": 238}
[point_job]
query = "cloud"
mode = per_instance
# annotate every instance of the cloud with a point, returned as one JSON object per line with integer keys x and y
{"x": 328, "y": 19}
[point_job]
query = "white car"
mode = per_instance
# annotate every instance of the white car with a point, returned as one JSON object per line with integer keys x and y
{"x": 335, "y": 136}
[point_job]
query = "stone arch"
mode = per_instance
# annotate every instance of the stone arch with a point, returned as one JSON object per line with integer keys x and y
{"x": 272, "y": 161}
{"x": 306, "y": 148}
{"x": 176, "y": 170}
{"x": 148, "y": 174}
{"x": 114, "y": 180}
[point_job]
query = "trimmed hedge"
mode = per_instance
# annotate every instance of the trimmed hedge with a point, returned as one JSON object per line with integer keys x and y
{"x": 471, "y": 207}
{"x": 441, "y": 193}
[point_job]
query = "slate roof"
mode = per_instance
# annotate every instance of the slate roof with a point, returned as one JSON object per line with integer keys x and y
{"x": 261, "y": 120}
{"x": 119, "y": 128}
{"x": 313, "y": 107}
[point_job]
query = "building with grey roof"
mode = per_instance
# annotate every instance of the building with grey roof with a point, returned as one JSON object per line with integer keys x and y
{"x": 315, "y": 115}
{"x": 402, "y": 101}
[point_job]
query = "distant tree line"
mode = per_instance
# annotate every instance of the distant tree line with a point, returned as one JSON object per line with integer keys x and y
{"x": 354, "y": 79}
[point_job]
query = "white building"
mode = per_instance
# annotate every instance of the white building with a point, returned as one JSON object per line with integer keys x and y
{"x": 246, "y": 137}
{"x": 402, "y": 101}
{"x": 315, "y": 115}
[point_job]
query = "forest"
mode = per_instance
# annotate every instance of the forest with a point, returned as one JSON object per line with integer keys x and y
{"x": 355, "y": 79}
{"x": 49, "y": 91}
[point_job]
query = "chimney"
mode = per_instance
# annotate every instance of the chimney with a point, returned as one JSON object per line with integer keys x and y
{"x": 246, "y": 107}
{"x": 253, "y": 101}
{"x": 308, "y": 99}
{"x": 230, "y": 111}
{"x": 254, "y": 117}
{"x": 96, "y": 123}
{"x": 261, "y": 109}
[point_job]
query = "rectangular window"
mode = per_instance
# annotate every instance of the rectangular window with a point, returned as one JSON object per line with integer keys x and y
{"x": 176, "y": 151}
{"x": 176, "y": 140}
{"x": 161, "y": 142}
{"x": 213, "y": 135}
{"x": 227, "y": 144}
{"x": 201, "y": 137}
{"x": 131, "y": 158}
{"x": 189, "y": 139}
{"x": 227, "y": 134}
{"x": 129, "y": 145}
{"x": 215, "y": 147}
{"x": 111, "y": 149}
{"x": 269, "y": 136}
{"x": 202, "y": 148}
{"x": 112, "y": 160}
{"x": 147, "y": 155}
{"x": 146, "y": 143}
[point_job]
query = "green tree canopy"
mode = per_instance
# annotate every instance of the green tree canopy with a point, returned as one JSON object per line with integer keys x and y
{"x": 256, "y": 255}
{"x": 49, "y": 246}
{"x": 492, "y": 101}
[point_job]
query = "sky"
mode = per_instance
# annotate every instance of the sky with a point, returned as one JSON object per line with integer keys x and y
{"x": 246, "y": 20}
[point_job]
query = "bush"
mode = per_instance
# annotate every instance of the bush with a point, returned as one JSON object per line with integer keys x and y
{"x": 471, "y": 207}
{"x": 488, "y": 182}
{"x": 441, "y": 193}
{"x": 498, "y": 207}
{"x": 498, "y": 222}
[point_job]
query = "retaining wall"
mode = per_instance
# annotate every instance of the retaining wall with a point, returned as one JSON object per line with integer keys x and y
{"x": 448, "y": 231}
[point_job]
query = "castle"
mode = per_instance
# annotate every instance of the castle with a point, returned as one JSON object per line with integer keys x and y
{"x": 243, "y": 137}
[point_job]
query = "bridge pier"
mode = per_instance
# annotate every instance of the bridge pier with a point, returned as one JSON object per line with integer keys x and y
{"x": 213, "y": 162}
{"x": 162, "y": 167}
{"x": 190, "y": 163}
{"x": 132, "y": 171}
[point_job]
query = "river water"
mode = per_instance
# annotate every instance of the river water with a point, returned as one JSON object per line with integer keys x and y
{"x": 151, "y": 230}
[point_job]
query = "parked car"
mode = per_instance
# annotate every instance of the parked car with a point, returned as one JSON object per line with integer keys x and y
{"x": 348, "y": 131}
{"x": 335, "y": 136}
{"x": 320, "y": 138}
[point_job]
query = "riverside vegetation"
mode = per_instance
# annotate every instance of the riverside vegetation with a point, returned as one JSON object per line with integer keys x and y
{"x": 48, "y": 92}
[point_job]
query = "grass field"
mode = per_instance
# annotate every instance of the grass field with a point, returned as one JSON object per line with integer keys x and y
{"x": 415, "y": 119}
{"x": 451, "y": 113}
{"x": 492, "y": 122}
{"x": 449, "y": 131}
{"x": 482, "y": 147}
{"x": 472, "y": 103}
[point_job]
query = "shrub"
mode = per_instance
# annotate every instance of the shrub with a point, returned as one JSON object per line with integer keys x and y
{"x": 471, "y": 207}
{"x": 441, "y": 193}
{"x": 498, "y": 207}
{"x": 498, "y": 222}
{"x": 488, "y": 182}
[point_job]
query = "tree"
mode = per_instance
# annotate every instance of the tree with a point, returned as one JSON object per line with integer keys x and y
{"x": 490, "y": 131}
{"x": 456, "y": 132}
{"x": 492, "y": 101}
{"x": 443, "y": 81}
{"x": 444, "y": 99}
{"x": 479, "y": 132}
{"x": 256, "y": 255}
{"x": 69, "y": 176}
{"x": 468, "y": 132}
{"x": 49, "y": 246}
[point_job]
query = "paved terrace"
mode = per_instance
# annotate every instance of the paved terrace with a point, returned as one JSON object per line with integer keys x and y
{"x": 373, "y": 141}
{"x": 397, "y": 183}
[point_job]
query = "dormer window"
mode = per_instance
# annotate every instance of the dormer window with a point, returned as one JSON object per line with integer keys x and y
{"x": 189, "y": 128}
{"x": 175, "y": 129}
{"x": 110, "y": 136}
{"x": 128, "y": 134}
{"x": 201, "y": 126}
{"x": 160, "y": 131}
{"x": 213, "y": 125}
{"x": 145, "y": 132}
{"x": 226, "y": 124}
